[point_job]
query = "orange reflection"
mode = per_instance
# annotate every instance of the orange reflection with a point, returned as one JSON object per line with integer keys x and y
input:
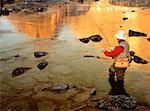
{"x": 38, "y": 25}
{"x": 107, "y": 19}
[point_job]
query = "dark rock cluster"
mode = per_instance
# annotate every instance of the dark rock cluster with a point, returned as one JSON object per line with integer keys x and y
{"x": 118, "y": 103}
{"x": 94, "y": 38}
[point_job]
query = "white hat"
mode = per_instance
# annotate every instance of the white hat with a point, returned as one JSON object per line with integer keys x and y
{"x": 120, "y": 35}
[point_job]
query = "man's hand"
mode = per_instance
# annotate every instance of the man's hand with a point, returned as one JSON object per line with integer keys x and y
{"x": 111, "y": 48}
{"x": 102, "y": 50}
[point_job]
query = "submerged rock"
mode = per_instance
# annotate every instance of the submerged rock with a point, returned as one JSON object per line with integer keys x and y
{"x": 42, "y": 65}
{"x": 60, "y": 87}
{"x": 84, "y": 40}
{"x": 133, "y": 11}
{"x": 135, "y": 33}
{"x": 96, "y": 38}
{"x": 139, "y": 60}
{"x": 92, "y": 56}
{"x": 125, "y": 18}
{"x": 40, "y": 54}
{"x": 19, "y": 71}
{"x": 16, "y": 56}
{"x": 148, "y": 39}
{"x": 118, "y": 103}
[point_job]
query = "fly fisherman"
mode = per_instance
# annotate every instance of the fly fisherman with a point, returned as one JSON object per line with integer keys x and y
{"x": 121, "y": 56}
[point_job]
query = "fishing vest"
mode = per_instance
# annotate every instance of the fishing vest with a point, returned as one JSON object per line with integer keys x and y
{"x": 124, "y": 57}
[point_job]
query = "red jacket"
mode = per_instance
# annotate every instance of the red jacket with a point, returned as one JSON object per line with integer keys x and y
{"x": 115, "y": 52}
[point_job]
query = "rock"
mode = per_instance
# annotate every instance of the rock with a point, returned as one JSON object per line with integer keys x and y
{"x": 84, "y": 40}
{"x": 133, "y": 11}
{"x": 4, "y": 11}
{"x": 118, "y": 103}
{"x": 19, "y": 71}
{"x": 125, "y": 18}
{"x": 134, "y": 33}
{"x": 40, "y": 54}
{"x": 42, "y": 65}
{"x": 93, "y": 91}
{"x": 92, "y": 56}
{"x": 148, "y": 39}
{"x": 16, "y": 56}
{"x": 60, "y": 87}
{"x": 96, "y": 38}
{"x": 41, "y": 9}
{"x": 132, "y": 53}
{"x": 139, "y": 60}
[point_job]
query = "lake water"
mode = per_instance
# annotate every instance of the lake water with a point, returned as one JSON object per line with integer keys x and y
{"x": 57, "y": 31}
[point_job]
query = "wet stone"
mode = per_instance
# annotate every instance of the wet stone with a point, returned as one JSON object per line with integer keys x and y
{"x": 148, "y": 39}
{"x": 16, "y": 56}
{"x": 139, "y": 60}
{"x": 60, "y": 87}
{"x": 87, "y": 56}
{"x": 42, "y": 65}
{"x": 19, "y": 71}
{"x": 96, "y": 38}
{"x": 4, "y": 11}
{"x": 135, "y": 33}
{"x": 84, "y": 40}
{"x": 125, "y": 18}
{"x": 93, "y": 91}
{"x": 118, "y": 103}
{"x": 40, "y": 54}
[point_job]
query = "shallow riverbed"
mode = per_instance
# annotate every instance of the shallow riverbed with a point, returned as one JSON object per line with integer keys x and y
{"x": 57, "y": 31}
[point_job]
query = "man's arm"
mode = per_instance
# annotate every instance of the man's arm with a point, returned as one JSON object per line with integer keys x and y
{"x": 115, "y": 52}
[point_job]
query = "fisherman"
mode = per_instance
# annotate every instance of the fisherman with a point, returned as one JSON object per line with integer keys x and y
{"x": 121, "y": 56}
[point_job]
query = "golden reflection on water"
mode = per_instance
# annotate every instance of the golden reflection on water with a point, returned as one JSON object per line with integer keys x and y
{"x": 38, "y": 25}
{"x": 102, "y": 18}
{"x": 108, "y": 19}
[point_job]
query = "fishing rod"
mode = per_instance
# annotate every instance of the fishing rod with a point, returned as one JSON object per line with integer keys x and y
{"x": 100, "y": 30}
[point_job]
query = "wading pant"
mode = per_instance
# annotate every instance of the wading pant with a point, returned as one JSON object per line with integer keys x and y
{"x": 117, "y": 86}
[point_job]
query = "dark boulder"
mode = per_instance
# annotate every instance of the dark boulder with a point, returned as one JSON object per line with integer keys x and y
{"x": 16, "y": 56}
{"x": 139, "y": 60}
{"x": 40, "y": 54}
{"x": 148, "y": 39}
{"x": 84, "y": 40}
{"x": 118, "y": 103}
{"x": 135, "y": 33}
{"x": 42, "y": 65}
{"x": 124, "y": 18}
{"x": 133, "y": 11}
{"x": 41, "y": 9}
{"x": 4, "y": 11}
{"x": 96, "y": 38}
{"x": 60, "y": 87}
{"x": 19, "y": 71}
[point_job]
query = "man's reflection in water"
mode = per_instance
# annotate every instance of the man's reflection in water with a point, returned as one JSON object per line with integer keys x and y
{"x": 117, "y": 86}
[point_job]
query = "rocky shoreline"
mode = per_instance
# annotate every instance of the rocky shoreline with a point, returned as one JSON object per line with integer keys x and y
{"x": 28, "y": 6}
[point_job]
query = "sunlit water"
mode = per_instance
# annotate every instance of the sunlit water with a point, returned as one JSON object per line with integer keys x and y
{"x": 58, "y": 32}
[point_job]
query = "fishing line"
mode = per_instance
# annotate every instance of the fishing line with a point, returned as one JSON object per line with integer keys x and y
{"x": 100, "y": 30}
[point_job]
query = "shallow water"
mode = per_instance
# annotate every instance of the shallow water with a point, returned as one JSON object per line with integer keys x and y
{"x": 57, "y": 32}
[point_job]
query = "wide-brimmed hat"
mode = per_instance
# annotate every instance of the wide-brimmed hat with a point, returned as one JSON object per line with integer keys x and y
{"x": 120, "y": 35}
